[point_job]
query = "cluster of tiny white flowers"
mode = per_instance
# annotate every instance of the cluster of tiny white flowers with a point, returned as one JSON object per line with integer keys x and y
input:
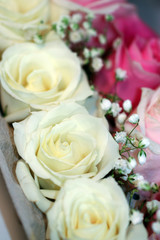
{"x": 113, "y": 108}
{"x": 116, "y": 43}
{"x": 106, "y": 104}
{"x": 152, "y": 204}
{"x": 116, "y": 109}
{"x": 121, "y": 74}
{"x": 120, "y": 137}
{"x": 136, "y": 217}
{"x": 123, "y": 166}
{"x": 97, "y": 64}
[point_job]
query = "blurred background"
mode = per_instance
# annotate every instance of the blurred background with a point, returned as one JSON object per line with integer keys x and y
{"x": 149, "y": 11}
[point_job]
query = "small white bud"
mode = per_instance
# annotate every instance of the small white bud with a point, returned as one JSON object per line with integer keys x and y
{"x": 121, "y": 74}
{"x": 105, "y": 104}
{"x": 136, "y": 179}
{"x": 86, "y": 53}
{"x": 121, "y": 118}
{"x": 116, "y": 43}
{"x": 77, "y": 17}
{"x": 144, "y": 185}
{"x": 108, "y": 64}
{"x": 92, "y": 32}
{"x": 144, "y": 143}
{"x": 102, "y": 39}
{"x": 152, "y": 204}
{"x": 127, "y": 105}
{"x": 75, "y": 37}
{"x": 136, "y": 217}
{"x": 134, "y": 118}
{"x": 122, "y": 165}
{"x": 86, "y": 25}
{"x": 132, "y": 162}
{"x": 115, "y": 109}
{"x": 97, "y": 64}
{"x": 142, "y": 157}
{"x": 156, "y": 227}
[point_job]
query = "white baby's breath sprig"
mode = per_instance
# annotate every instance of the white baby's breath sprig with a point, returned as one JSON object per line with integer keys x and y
{"x": 142, "y": 157}
{"x": 144, "y": 143}
{"x": 106, "y": 104}
{"x": 127, "y": 105}
{"x": 156, "y": 227}
{"x": 136, "y": 217}
{"x": 134, "y": 119}
{"x": 121, "y": 118}
{"x": 154, "y": 204}
{"x": 97, "y": 64}
{"x": 120, "y": 74}
{"x": 121, "y": 137}
{"x": 132, "y": 162}
{"x": 116, "y": 109}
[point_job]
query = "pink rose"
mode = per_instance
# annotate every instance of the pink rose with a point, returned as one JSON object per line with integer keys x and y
{"x": 101, "y": 6}
{"x": 131, "y": 27}
{"x": 149, "y": 126}
{"x": 142, "y": 66}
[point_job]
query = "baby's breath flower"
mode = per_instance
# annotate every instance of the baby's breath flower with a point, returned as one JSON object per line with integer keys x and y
{"x": 152, "y": 205}
{"x": 116, "y": 43}
{"x": 105, "y": 104}
{"x": 102, "y": 39}
{"x": 120, "y": 137}
{"x": 122, "y": 165}
{"x": 97, "y": 64}
{"x": 136, "y": 179}
{"x": 121, "y": 118}
{"x": 75, "y": 36}
{"x": 142, "y": 157}
{"x": 92, "y": 32}
{"x": 144, "y": 143}
{"x": 115, "y": 109}
{"x": 134, "y": 118}
{"x": 86, "y": 25}
{"x": 127, "y": 105}
{"x": 144, "y": 185}
{"x": 77, "y": 17}
{"x": 136, "y": 217}
{"x": 120, "y": 74}
{"x": 156, "y": 227}
{"x": 108, "y": 64}
{"x": 132, "y": 162}
{"x": 86, "y": 53}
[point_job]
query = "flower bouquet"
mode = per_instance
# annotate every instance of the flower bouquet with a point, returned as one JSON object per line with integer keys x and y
{"x": 80, "y": 104}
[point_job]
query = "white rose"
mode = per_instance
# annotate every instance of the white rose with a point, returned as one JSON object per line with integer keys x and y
{"x": 88, "y": 210}
{"x": 20, "y": 20}
{"x": 84, "y": 209}
{"x": 34, "y": 77}
{"x": 65, "y": 143}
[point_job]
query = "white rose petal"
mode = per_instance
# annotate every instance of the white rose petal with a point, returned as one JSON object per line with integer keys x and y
{"x": 37, "y": 77}
{"x": 65, "y": 143}
{"x": 85, "y": 209}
